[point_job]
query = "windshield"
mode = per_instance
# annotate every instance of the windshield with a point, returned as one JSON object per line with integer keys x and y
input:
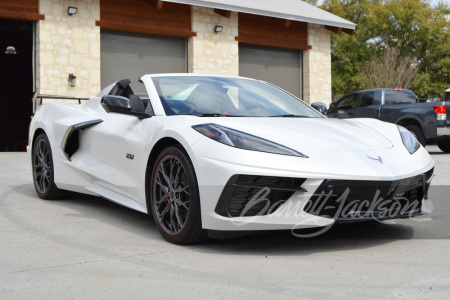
{"x": 211, "y": 96}
{"x": 399, "y": 97}
{"x": 446, "y": 97}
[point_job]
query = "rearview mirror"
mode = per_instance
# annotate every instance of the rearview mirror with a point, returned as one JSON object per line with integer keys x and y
{"x": 116, "y": 104}
{"x": 321, "y": 107}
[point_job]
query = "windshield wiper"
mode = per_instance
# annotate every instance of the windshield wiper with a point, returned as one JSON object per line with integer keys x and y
{"x": 214, "y": 115}
{"x": 289, "y": 116}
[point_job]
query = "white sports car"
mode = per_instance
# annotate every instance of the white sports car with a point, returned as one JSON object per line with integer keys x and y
{"x": 201, "y": 152}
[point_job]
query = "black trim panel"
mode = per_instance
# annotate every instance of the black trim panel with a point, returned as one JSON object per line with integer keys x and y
{"x": 70, "y": 142}
{"x": 359, "y": 200}
{"x": 241, "y": 189}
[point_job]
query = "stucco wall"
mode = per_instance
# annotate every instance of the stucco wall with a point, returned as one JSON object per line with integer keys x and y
{"x": 68, "y": 44}
{"x": 210, "y": 52}
{"x": 317, "y": 66}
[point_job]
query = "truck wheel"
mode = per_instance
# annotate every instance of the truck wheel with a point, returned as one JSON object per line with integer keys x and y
{"x": 444, "y": 145}
{"x": 418, "y": 134}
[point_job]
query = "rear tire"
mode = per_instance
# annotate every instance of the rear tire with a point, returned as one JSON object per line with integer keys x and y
{"x": 418, "y": 134}
{"x": 43, "y": 171}
{"x": 444, "y": 145}
{"x": 175, "y": 199}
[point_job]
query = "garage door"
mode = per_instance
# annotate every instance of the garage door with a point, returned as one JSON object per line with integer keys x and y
{"x": 282, "y": 67}
{"x": 131, "y": 55}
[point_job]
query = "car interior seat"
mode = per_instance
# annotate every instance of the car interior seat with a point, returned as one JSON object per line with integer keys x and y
{"x": 138, "y": 104}
{"x": 211, "y": 99}
{"x": 122, "y": 88}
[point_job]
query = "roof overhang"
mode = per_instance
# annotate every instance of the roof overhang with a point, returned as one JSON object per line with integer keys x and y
{"x": 294, "y": 10}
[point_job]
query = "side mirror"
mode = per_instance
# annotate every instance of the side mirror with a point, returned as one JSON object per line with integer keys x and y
{"x": 321, "y": 107}
{"x": 121, "y": 105}
{"x": 332, "y": 106}
{"x": 117, "y": 104}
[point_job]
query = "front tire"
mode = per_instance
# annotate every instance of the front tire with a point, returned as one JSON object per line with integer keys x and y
{"x": 444, "y": 145}
{"x": 175, "y": 199}
{"x": 43, "y": 171}
{"x": 418, "y": 134}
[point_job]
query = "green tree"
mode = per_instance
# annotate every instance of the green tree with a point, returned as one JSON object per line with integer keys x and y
{"x": 414, "y": 27}
{"x": 389, "y": 69}
{"x": 312, "y": 2}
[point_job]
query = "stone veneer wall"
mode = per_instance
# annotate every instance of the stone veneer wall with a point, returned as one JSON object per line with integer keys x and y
{"x": 68, "y": 44}
{"x": 210, "y": 52}
{"x": 317, "y": 66}
{"x": 71, "y": 44}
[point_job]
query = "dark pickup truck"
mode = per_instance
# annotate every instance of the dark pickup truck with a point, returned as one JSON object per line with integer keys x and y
{"x": 425, "y": 120}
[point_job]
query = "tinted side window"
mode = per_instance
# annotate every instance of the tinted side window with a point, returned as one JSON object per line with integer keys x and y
{"x": 370, "y": 98}
{"x": 367, "y": 99}
{"x": 399, "y": 97}
{"x": 348, "y": 102}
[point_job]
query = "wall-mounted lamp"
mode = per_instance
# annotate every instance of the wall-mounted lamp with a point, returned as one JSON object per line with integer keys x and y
{"x": 10, "y": 50}
{"x": 218, "y": 28}
{"x": 72, "y": 80}
{"x": 72, "y": 10}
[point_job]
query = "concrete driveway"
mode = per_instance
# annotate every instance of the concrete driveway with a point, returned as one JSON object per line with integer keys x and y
{"x": 89, "y": 248}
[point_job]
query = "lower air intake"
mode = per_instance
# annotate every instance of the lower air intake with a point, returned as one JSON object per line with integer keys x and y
{"x": 248, "y": 195}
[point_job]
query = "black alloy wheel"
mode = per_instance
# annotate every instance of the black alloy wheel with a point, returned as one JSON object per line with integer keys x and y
{"x": 43, "y": 171}
{"x": 175, "y": 198}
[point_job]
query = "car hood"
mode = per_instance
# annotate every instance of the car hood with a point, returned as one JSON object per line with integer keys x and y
{"x": 309, "y": 134}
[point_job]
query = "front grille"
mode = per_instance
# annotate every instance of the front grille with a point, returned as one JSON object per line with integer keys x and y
{"x": 347, "y": 200}
{"x": 248, "y": 195}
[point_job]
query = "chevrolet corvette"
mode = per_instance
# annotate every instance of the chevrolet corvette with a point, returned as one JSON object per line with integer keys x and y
{"x": 210, "y": 152}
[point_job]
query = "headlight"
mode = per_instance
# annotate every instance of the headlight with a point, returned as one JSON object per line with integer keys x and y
{"x": 410, "y": 142}
{"x": 238, "y": 139}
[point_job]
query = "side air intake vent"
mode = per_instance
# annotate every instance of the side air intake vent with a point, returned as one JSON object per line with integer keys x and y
{"x": 249, "y": 195}
{"x": 71, "y": 140}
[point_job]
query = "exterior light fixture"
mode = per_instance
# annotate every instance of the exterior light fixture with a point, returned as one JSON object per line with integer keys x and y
{"x": 72, "y": 10}
{"x": 72, "y": 80}
{"x": 218, "y": 28}
{"x": 10, "y": 50}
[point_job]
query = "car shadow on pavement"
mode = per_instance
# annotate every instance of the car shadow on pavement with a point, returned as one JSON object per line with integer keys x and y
{"x": 338, "y": 238}
{"x": 437, "y": 153}
{"x": 92, "y": 207}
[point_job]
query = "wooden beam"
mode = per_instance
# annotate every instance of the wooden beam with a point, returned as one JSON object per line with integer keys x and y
{"x": 263, "y": 31}
{"x": 26, "y": 16}
{"x": 348, "y": 31}
{"x": 155, "y": 3}
{"x": 223, "y": 13}
{"x": 27, "y": 10}
{"x": 179, "y": 32}
{"x": 284, "y": 22}
{"x": 336, "y": 30}
{"x": 269, "y": 41}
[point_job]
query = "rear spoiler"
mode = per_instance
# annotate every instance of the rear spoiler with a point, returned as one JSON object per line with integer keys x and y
{"x": 38, "y": 99}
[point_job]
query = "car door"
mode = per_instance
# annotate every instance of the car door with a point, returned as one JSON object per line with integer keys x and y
{"x": 344, "y": 107}
{"x": 117, "y": 154}
{"x": 368, "y": 104}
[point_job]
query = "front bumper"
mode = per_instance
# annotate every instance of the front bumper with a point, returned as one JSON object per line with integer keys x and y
{"x": 359, "y": 200}
{"x": 215, "y": 174}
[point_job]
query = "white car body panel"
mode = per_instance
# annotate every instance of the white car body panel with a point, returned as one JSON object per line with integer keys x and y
{"x": 100, "y": 167}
